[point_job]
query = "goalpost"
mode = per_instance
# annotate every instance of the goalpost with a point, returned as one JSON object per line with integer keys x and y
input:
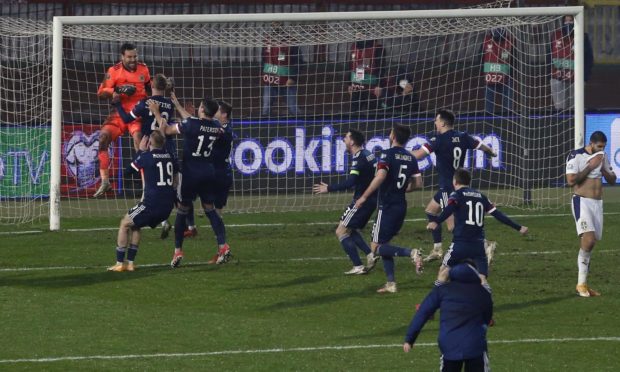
{"x": 276, "y": 158}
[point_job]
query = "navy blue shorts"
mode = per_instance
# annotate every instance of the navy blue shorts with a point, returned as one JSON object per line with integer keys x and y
{"x": 390, "y": 219}
{"x": 358, "y": 218}
{"x": 221, "y": 187}
{"x": 460, "y": 251}
{"x": 193, "y": 186}
{"x": 441, "y": 196}
{"x": 143, "y": 215}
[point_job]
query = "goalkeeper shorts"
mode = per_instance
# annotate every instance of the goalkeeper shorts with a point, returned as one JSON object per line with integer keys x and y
{"x": 117, "y": 127}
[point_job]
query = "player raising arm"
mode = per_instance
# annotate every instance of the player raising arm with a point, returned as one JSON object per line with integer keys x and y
{"x": 125, "y": 81}
{"x": 468, "y": 207}
{"x": 395, "y": 169}
{"x": 450, "y": 147}
{"x": 199, "y": 135}
{"x": 585, "y": 168}
{"x": 353, "y": 219}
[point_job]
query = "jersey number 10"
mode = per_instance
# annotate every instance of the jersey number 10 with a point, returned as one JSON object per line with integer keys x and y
{"x": 476, "y": 214}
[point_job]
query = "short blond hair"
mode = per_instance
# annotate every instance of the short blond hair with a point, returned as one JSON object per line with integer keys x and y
{"x": 157, "y": 139}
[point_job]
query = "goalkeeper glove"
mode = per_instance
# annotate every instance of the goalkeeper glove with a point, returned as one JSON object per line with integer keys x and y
{"x": 126, "y": 89}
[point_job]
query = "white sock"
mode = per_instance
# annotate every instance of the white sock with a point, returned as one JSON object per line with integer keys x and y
{"x": 583, "y": 263}
{"x": 437, "y": 247}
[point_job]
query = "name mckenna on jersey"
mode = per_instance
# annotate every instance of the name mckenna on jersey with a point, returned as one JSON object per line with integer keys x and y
{"x": 161, "y": 156}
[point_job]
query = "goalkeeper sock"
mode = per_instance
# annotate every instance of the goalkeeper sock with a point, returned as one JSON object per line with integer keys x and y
{"x": 132, "y": 252}
{"x": 120, "y": 254}
{"x": 104, "y": 165}
{"x": 583, "y": 263}
{"x": 218, "y": 226}
{"x": 359, "y": 241}
{"x": 348, "y": 244}
{"x": 437, "y": 232}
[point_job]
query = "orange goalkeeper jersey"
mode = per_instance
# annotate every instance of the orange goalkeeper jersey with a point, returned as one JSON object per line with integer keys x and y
{"x": 118, "y": 75}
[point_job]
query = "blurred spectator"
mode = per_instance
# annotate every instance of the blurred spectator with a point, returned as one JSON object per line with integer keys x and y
{"x": 402, "y": 95}
{"x": 563, "y": 63}
{"x": 366, "y": 74}
{"x": 497, "y": 49}
{"x": 280, "y": 71}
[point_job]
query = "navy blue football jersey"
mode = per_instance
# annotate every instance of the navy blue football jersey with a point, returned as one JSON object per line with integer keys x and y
{"x": 199, "y": 137}
{"x": 450, "y": 149}
{"x": 158, "y": 167}
{"x": 401, "y": 166}
{"x": 222, "y": 148}
{"x": 141, "y": 110}
{"x": 363, "y": 165}
{"x": 470, "y": 206}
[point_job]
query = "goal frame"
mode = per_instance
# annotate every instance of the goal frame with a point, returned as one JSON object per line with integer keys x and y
{"x": 57, "y": 53}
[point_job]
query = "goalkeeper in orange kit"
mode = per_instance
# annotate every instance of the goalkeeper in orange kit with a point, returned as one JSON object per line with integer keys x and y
{"x": 125, "y": 81}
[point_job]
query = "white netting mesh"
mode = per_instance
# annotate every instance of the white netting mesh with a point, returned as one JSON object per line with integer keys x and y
{"x": 277, "y": 158}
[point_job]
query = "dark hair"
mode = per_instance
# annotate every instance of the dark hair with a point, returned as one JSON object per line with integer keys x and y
{"x": 211, "y": 106}
{"x": 447, "y": 116}
{"x": 357, "y": 137}
{"x": 160, "y": 82}
{"x": 401, "y": 133}
{"x": 225, "y": 107}
{"x": 157, "y": 139}
{"x": 462, "y": 177}
{"x": 598, "y": 136}
{"x": 127, "y": 46}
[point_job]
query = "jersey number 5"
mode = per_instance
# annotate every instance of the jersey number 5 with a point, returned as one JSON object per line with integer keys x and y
{"x": 402, "y": 178}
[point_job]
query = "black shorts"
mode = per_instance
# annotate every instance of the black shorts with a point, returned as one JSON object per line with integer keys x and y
{"x": 221, "y": 187}
{"x": 460, "y": 251}
{"x": 354, "y": 218}
{"x": 478, "y": 364}
{"x": 193, "y": 185}
{"x": 143, "y": 215}
{"x": 390, "y": 219}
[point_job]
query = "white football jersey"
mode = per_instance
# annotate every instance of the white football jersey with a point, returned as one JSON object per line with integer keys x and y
{"x": 578, "y": 160}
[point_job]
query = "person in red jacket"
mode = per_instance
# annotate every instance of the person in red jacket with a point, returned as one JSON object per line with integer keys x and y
{"x": 563, "y": 63}
{"x": 497, "y": 51}
{"x": 280, "y": 71}
{"x": 125, "y": 81}
{"x": 366, "y": 70}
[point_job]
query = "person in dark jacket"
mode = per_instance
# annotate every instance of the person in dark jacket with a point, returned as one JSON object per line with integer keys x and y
{"x": 466, "y": 311}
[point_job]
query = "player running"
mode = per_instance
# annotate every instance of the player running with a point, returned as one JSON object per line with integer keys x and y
{"x": 395, "y": 168}
{"x": 353, "y": 220}
{"x": 450, "y": 147}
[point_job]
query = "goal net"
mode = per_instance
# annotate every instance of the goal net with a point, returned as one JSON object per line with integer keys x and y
{"x": 297, "y": 83}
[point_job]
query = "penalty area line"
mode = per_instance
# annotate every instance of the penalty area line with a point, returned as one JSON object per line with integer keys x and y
{"x": 288, "y": 350}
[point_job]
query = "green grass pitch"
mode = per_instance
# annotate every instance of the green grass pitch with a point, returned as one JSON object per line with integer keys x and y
{"x": 284, "y": 304}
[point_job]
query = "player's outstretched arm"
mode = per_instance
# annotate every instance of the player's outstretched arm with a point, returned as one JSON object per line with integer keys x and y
{"x": 127, "y": 118}
{"x": 180, "y": 109}
{"x": 345, "y": 185}
{"x": 427, "y": 308}
{"x": 374, "y": 186}
{"x": 419, "y": 154}
{"x": 501, "y": 217}
{"x": 487, "y": 150}
{"x": 415, "y": 183}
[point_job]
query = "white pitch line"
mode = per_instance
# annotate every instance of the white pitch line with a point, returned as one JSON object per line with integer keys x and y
{"x": 299, "y": 259}
{"x": 285, "y": 350}
{"x": 279, "y": 224}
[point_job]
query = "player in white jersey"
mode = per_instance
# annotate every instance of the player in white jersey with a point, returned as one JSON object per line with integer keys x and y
{"x": 585, "y": 168}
